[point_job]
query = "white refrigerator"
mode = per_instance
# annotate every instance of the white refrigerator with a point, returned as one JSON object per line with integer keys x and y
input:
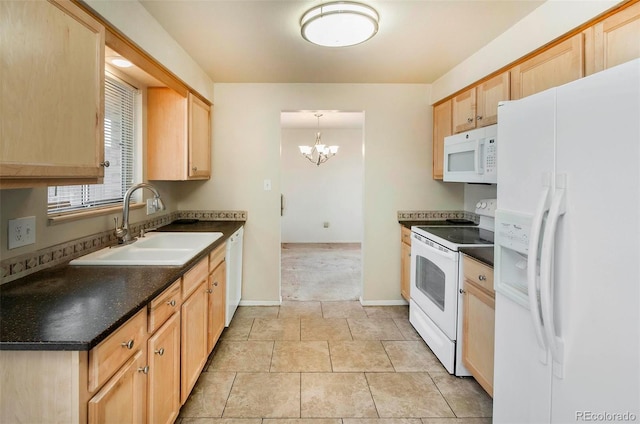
{"x": 567, "y": 247}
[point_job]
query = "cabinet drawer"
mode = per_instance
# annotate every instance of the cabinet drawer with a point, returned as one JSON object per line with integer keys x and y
{"x": 164, "y": 305}
{"x": 194, "y": 277}
{"x": 217, "y": 256}
{"x": 405, "y": 235}
{"x": 106, "y": 358}
{"x": 478, "y": 273}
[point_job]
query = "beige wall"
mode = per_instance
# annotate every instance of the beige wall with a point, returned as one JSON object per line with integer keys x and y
{"x": 397, "y": 172}
{"x": 546, "y": 23}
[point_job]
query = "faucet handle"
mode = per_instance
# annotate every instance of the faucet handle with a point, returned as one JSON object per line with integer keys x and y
{"x": 118, "y": 231}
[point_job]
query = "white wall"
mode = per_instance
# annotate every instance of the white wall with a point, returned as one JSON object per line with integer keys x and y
{"x": 397, "y": 172}
{"x": 475, "y": 192}
{"x": 331, "y": 192}
{"x": 546, "y": 23}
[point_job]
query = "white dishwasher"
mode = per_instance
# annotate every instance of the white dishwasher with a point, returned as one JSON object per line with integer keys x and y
{"x": 233, "y": 257}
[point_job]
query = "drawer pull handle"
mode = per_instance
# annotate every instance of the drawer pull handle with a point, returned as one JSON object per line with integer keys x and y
{"x": 128, "y": 345}
{"x": 160, "y": 351}
{"x": 144, "y": 370}
{"x": 481, "y": 277}
{"x": 171, "y": 302}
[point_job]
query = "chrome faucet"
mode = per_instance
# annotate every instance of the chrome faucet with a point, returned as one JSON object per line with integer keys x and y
{"x": 123, "y": 233}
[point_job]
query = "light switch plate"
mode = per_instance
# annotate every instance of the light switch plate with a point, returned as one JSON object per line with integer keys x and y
{"x": 22, "y": 231}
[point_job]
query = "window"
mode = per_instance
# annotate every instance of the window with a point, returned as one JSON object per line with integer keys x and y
{"x": 119, "y": 139}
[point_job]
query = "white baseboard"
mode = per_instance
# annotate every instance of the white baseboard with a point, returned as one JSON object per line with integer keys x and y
{"x": 383, "y": 302}
{"x": 260, "y": 303}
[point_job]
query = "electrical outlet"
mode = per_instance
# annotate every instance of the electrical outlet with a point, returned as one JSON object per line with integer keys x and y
{"x": 267, "y": 185}
{"x": 151, "y": 206}
{"x": 326, "y": 225}
{"x": 22, "y": 231}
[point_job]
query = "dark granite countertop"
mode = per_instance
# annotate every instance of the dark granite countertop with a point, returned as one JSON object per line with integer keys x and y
{"x": 483, "y": 254}
{"x": 76, "y": 307}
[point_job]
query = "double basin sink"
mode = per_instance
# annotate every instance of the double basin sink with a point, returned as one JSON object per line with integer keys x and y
{"x": 164, "y": 249}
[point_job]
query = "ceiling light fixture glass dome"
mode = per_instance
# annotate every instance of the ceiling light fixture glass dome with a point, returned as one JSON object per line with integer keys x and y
{"x": 339, "y": 24}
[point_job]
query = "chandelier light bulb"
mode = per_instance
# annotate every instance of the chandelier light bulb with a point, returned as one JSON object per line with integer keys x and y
{"x": 318, "y": 153}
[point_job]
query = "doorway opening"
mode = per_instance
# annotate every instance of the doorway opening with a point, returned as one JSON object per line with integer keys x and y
{"x": 321, "y": 207}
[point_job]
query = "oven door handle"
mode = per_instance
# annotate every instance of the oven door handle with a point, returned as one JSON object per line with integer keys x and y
{"x": 451, "y": 255}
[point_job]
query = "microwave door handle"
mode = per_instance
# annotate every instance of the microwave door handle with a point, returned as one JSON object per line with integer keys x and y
{"x": 479, "y": 156}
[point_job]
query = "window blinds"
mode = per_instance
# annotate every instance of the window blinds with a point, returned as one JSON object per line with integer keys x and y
{"x": 119, "y": 139}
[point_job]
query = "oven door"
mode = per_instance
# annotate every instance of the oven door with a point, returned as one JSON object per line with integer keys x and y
{"x": 434, "y": 282}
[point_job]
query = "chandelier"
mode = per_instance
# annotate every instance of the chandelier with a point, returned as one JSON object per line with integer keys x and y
{"x": 339, "y": 24}
{"x": 318, "y": 153}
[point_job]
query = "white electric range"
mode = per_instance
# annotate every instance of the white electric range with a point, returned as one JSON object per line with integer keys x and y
{"x": 435, "y": 308}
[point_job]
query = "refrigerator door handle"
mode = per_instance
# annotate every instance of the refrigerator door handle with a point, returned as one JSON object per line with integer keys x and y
{"x": 554, "y": 342}
{"x": 532, "y": 265}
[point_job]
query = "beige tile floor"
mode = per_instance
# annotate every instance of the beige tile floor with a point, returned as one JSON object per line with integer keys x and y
{"x": 329, "y": 363}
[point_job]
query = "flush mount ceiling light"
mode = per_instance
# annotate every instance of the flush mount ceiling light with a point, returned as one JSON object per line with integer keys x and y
{"x": 121, "y": 62}
{"x": 339, "y": 24}
{"x": 318, "y": 153}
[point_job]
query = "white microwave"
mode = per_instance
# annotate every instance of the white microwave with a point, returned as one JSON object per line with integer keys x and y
{"x": 470, "y": 157}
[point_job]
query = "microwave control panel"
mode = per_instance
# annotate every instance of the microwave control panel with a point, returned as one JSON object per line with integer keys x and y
{"x": 491, "y": 155}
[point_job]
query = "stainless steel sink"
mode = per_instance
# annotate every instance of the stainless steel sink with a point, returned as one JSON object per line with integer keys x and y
{"x": 172, "y": 249}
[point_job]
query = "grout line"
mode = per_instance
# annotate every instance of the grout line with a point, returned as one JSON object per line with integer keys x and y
{"x": 235, "y": 374}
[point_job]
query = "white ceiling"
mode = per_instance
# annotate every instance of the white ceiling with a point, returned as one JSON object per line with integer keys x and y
{"x": 259, "y": 41}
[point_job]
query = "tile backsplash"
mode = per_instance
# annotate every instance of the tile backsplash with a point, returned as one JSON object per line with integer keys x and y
{"x": 23, "y": 265}
{"x": 436, "y": 215}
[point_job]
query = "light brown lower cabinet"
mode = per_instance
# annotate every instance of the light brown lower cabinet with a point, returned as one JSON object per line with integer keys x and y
{"x": 479, "y": 322}
{"x": 123, "y": 398}
{"x": 194, "y": 350}
{"x": 164, "y": 373}
{"x": 405, "y": 263}
{"x": 217, "y": 299}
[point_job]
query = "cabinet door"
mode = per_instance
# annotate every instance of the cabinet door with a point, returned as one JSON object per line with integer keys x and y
{"x": 164, "y": 372}
{"x": 194, "y": 339}
{"x": 166, "y": 134}
{"x": 199, "y": 138}
{"x": 217, "y": 300}
{"x": 405, "y": 274}
{"x": 613, "y": 41}
{"x": 123, "y": 399}
{"x": 464, "y": 111}
{"x": 51, "y": 106}
{"x": 442, "y": 121}
{"x": 489, "y": 94}
{"x": 478, "y": 334}
{"x": 558, "y": 65}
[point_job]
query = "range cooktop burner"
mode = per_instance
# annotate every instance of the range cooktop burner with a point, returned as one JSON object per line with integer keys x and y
{"x": 461, "y": 235}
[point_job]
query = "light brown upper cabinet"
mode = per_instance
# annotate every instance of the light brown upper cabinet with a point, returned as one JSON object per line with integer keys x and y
{"x": 442, "y": 121}
{"x": 478, "y": 106}
{"x": 613, "y": 41}
{"x": 464, "y": 111}
{"x": 51, "y": 103}
{"x": 489, "y": 94}
{"x": 178, "y": 136}
{"x": 555, "y": 66}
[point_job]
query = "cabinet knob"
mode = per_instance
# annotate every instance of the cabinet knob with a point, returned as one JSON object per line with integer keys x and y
{"x": 106, "y": 164}
{"x": 159, "y": 351}
{"x": 194, "y": 168}
{"x": 144, "y": 370}
{"x": 215, "y": 283}
{"x": 479, "y": 117}
{"x": 462, "y": 291}
{"x": 481, "y": 277}
{"x": 128, "y": 345}
{"x": 469, "y": 120}
{"x": 171, "y": 302}
{"x": 209, "y": 291}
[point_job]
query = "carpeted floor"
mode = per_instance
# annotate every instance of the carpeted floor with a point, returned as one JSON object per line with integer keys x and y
{"x": 321, "y": 271}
